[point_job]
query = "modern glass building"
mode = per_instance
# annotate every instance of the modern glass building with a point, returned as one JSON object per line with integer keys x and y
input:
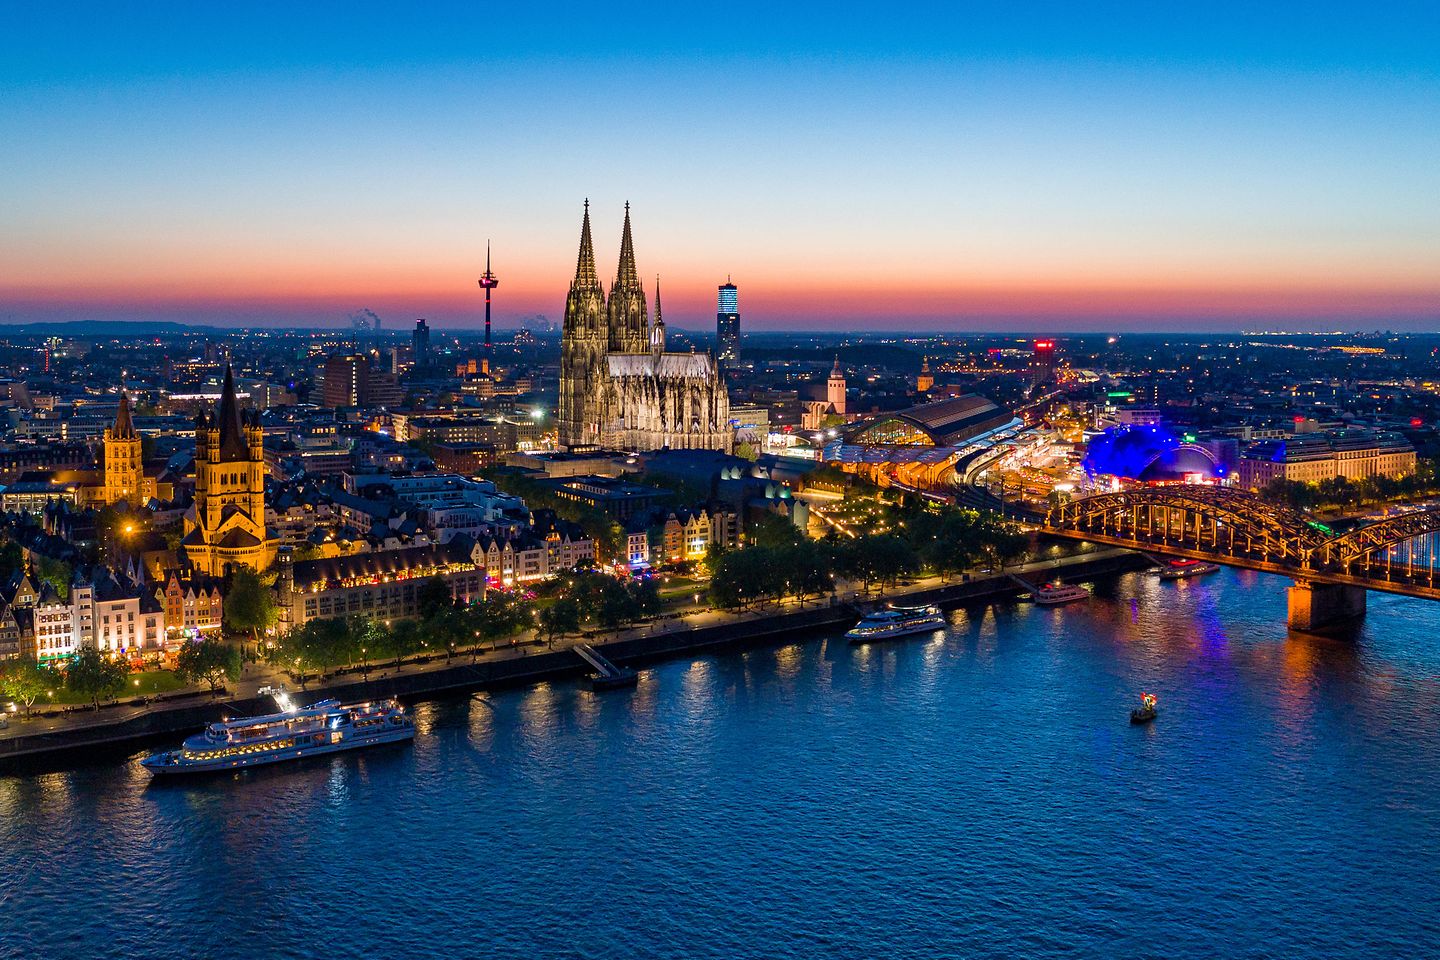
{"x": 727, "y": 322}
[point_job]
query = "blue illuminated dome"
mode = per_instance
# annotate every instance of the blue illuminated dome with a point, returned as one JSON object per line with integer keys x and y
{"x": 1149, "y": 454}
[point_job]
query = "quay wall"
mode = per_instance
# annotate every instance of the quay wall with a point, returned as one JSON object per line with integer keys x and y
{"x": 657, "y": 643}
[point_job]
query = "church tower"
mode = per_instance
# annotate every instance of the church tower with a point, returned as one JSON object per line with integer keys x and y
{"x": 835, "y": 389}
{"x": 926, "y": 380}
{"x": 225, "y": 526}
{"x": 629, "y": 323}
{"x": 122, "y": 475}
{"x": 582, "y": 350}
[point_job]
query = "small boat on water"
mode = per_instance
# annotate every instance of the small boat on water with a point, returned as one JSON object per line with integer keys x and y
{"x": 1054, "y": 593}
{"x": 325, "y": 727}
{"x": 1146, "y": 711}
{"x": 1185, "y": 569}
{"x": 896, "y": 622}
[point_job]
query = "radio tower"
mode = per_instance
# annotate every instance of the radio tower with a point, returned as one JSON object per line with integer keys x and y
{"x": 487, "y": 283}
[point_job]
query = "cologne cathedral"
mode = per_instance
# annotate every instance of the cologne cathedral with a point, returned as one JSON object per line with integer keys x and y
{"x": 619, "y": 388}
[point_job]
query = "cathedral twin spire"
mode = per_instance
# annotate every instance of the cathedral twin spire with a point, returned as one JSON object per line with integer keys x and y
{"x": 585, "y": 274}
{"x": 621, "y": 319}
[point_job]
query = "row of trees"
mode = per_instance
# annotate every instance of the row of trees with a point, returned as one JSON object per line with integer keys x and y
{"x": 90, "y": 674}
{"x": 946, "y": 540}
{"x": 95, "y": 677}
{"x": 448, "y": 628}
{"x": 1343, "y": 493}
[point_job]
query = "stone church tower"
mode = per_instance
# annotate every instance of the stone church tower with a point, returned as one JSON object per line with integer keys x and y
{"x": 122, "y": 478}
{"x": 226, "y": 525}
{"x": 618, "y": 386}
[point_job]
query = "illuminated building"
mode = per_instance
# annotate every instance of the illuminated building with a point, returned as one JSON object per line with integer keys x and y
{"x": 226, "y": 524}
{"x": 1044, "y": 362}
{"x": 619, "y": 388}
{"x": 727, "y": 322}
{"x": 1150, "y": 453}
{"x": 925, "y": 380}
{"x": 1313, "y": 457}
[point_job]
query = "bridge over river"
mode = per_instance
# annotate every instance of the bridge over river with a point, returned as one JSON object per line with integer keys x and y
{"x": 1332, "y": 572}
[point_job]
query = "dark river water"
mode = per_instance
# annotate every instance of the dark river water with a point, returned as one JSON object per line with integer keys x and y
{"x": 977, "y": 793}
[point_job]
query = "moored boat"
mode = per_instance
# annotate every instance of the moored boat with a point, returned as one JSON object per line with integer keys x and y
{"x": 1185, "y": 569}
{"x": 1053, "y": 593}
{"x": 895, "y": 622}
{"x": 325, "y": 727}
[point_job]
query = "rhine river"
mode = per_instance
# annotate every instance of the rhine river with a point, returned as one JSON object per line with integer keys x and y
{"x": 977, "y": 793}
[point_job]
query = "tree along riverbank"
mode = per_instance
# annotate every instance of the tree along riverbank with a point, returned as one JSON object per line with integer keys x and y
{"x": 60, "y": 742}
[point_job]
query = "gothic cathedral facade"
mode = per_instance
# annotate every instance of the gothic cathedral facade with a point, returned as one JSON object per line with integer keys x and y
{"x": 619, "y": 388}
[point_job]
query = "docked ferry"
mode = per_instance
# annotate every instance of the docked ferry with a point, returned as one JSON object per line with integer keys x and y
{"x": 1185, "y": 569}
{"x": 325, "y": 727}
{"x": 1054, "y": 593}
{"x": 896, "y": 622}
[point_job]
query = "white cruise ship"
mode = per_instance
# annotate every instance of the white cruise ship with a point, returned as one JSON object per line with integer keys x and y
{"x": 896, "y": 622}
{"x": 325, "y": 727}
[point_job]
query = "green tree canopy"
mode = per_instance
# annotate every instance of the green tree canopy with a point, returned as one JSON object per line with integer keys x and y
{"x": 25, "y": 681}
{"x": 95, "y": 676}
{"x": 250, "y": 603}
{"x": 209, "y": 660}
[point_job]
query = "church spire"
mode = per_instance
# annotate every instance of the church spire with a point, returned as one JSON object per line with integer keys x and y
{"x": 233, "y": 445}
{"x": 657, "y": 331}
{"x": 124, "y": 428}
{"x": 626, "y": 275}
{"x": 585, "y": 275}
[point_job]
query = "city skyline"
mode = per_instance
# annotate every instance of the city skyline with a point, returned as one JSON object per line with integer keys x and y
{"x": 951, "y": 171}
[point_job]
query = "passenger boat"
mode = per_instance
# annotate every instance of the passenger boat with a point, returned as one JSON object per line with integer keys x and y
{"x": 1146, "y": 711}
{"x": 1185, "y": 569}
{"x": 325, "y": 727}
{"x": 896, "y": 622}
{"x": 1053, "y": 593}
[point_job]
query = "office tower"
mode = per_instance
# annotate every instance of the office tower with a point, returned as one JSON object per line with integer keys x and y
{"x": 347, "y": 377}
{"x": 1043, "y": 365}
{"x": 727, "y": 322}
{"x": 420, "y": 344}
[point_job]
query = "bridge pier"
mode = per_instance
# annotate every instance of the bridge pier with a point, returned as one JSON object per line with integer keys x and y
{"x": 1319, "y": 606}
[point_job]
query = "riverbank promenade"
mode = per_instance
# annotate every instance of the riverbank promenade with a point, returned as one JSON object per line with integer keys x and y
{"x": 691, "y": 627}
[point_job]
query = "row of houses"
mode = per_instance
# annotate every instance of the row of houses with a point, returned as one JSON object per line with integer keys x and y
{"x": 120, "y": 615}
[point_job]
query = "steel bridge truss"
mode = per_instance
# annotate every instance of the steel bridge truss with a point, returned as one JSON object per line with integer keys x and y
{"x": 1230, "y": 526}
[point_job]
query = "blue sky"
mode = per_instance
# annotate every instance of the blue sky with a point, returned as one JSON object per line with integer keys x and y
{"x": 1035, "y": 165}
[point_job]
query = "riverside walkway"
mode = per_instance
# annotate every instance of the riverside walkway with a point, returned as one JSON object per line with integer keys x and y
{"x": 519, "y": 660}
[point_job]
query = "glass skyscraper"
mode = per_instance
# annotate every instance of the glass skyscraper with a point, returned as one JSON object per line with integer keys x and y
{"x": 727, "y": 322}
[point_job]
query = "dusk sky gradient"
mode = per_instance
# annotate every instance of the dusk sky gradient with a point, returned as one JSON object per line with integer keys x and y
{"x": 1028, "y": 166}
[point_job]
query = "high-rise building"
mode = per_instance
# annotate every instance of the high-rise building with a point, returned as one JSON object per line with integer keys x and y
{"x": 347, "y": 377}
{"x": 420, "y": 344}
{"x": 727, "y": 322}
{"x": 225, "y": 526}
{"x": 356, "y": 380}
{"x": 1043, "y": 365}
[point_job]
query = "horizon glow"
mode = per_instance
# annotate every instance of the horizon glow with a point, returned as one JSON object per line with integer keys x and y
{"x": 1021, "y": 164}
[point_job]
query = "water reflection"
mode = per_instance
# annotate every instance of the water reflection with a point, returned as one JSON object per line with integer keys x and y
{"x": 980, "y": 790}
